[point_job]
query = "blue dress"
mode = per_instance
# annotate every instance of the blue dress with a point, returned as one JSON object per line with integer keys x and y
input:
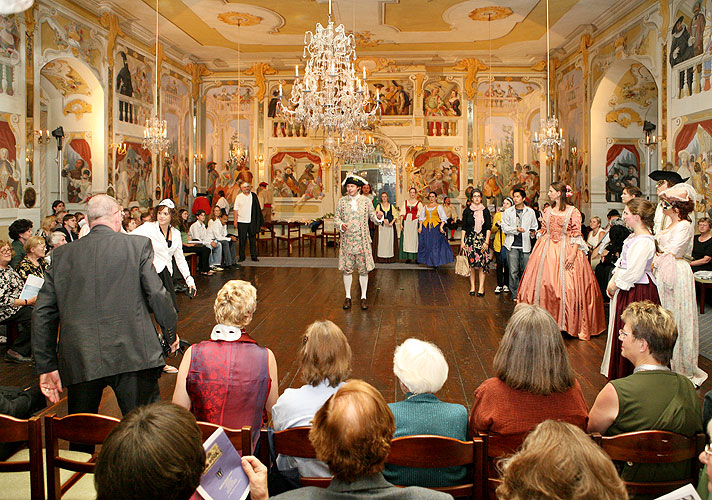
{"x": 433, "y": 248}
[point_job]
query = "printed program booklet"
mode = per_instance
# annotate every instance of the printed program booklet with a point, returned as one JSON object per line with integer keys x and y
{"x": 223, "y": 477}
{"x": 687, "y": 492}
{"x": 32, "y": 287}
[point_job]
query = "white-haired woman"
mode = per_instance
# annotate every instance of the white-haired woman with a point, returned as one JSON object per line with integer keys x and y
{"x": 229, "y": 380}
{"x": 422, "y": 370}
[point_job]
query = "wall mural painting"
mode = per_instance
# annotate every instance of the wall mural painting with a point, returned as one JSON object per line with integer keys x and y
{"x": 281, "y": 127}
{"x": 505, "y": 93}
{"x": 396, "y": 96}
{"x": 134, "y": 180}
{"x": 688, "y": 41}
{"x": 63, "y": 34}
{"x": 9, "y": 55}
{"x": 61, "y": 74}
{"x": 77, "y": 172}
{"x": 437, "y": 171}
{"x": 693, "y": 159}
{"x": 297, "y": 174}
{"x": 634, "y": 97}
{"x": 10, "y": 187}
{"x": 134, "y": 87}
{"x": 574, "y": 169}
{"x": 442, "y": 98}
{"x": 622, "y": 169}
{"x": 494, "y": 185}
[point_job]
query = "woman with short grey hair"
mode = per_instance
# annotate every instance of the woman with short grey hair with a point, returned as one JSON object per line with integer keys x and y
{"x": 422, "y": 370}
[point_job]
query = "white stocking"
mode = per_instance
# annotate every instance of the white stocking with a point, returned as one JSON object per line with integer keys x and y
{"x": 363, "y": 280}
{"x": 348, "y": 278}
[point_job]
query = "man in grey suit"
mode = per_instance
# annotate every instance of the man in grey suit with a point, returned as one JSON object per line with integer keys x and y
{"x": 97, "y": 294}
{"x": 352, "y": 434}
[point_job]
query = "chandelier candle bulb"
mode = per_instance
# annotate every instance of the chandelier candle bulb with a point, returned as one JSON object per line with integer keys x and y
{"x": 296, "y": 70}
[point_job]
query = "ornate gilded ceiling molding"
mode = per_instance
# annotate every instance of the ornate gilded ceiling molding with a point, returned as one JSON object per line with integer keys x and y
{"x": 241, "y": 18}
{"x": 259, "y": 70}
{"x": 472, "y": 66}
{"x": 111, "y": 23}
{"x": 665, "y": 13}
{"x": 490, "y": 13}
{"x": 624, "y": 117}
{"x": 584, "y": 44}
{"x": 77, "y": 107}
{"x": 197, "y": 72}
{"x": 373, "y": 64}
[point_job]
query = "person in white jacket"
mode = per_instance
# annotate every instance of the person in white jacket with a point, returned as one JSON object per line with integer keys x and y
{"x": 198, "y": 232}
{"x": 217, "y": 230}
{"x": 519, "y": 224}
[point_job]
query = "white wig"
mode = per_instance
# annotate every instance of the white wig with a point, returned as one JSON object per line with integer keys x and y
{"x": 420, "y": 366}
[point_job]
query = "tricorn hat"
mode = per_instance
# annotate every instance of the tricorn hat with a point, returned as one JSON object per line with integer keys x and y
{"x": 667, "y": 175}
{"x": 354, "y": 179}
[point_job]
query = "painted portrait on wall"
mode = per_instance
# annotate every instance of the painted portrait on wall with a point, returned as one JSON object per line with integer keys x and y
{"x": 396, "y": 96}
{"x": 693, "y": 159}
{"x": 622, "y": 169}
{"x": 134, "y": 180}
{"x": 442, "y": 98}
{"x": 10, "y": 188}
{"x": 297, "y": 174}
{"x": 437, "y": 171}
{"x": 77, "y": 173}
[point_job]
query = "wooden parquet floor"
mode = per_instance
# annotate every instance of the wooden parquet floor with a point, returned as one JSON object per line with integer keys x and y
{"x": 429, "y": 304}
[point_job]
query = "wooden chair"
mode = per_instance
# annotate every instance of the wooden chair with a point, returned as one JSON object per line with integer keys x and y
{"x": 317, "y": 234}
{"x": 332, "y": 232}
{"x": 295, "y": 443}
{"x": 439, "y": 451}
{"x": 81, "y": 428}
{"x": 654, "y": 447}
{"x": 266, "y": 236}
{"x": 192, "y": 259}
{"x": 241, "y": 439}
{"x": 294, "y": 232}
{"x": 702, "y": 286}
{"x": 497, "y": 447}
{"x": 13, "y": 430}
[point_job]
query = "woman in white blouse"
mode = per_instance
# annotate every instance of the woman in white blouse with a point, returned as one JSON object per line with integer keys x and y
{"x": 217, "y": 231}
{"x": 594, "y": 239}
{"x": 167, "y": 245}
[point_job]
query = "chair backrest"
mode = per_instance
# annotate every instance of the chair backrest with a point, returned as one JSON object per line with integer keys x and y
{"x": 294, "y": 229}
{"x": 439, "y": 451}
{"x": 241, "y": 439}
{"x": 80, "y": 428}
{"x": 13, "y": 430}
{"x": 295, "y": 442}
{"x": 654, "y": 447}
{"x": 496, "y": 448}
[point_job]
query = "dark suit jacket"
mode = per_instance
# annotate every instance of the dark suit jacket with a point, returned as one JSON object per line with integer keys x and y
{"x": 257, "y": 220}
{"x": 98, "y": 290}
{"x": 66, "y": 232}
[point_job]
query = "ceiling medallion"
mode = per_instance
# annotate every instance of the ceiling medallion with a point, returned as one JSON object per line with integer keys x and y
{"x": 243, "y": 18}
{"x": 490, "y": 13}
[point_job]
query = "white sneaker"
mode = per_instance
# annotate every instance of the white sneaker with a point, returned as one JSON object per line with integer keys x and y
{"x": 498, "y": 289}
{"x": 505, "y": 288}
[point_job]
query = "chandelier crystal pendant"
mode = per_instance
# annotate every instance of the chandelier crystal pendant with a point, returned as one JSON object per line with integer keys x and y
{"x": 155, "y": 135}
{"x": 330, "y": 96}
{"x": 490, "y": 152}
{"x": 353, "y": 147}
{"x": 549, "y": 137}
{"x": 238, "y": 150}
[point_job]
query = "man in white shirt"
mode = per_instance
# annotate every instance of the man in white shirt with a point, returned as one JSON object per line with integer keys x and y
{"x": 217, "y": 231}
{"x": 519, "y": 224}
{"x": 247, "y": 220}
{"x": 198, "y": 232}
{"x": 222, "y": 202}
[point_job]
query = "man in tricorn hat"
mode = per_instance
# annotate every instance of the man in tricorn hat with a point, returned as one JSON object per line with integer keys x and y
{"x": 351, "y": 218}
{"x": 665, "y": 180}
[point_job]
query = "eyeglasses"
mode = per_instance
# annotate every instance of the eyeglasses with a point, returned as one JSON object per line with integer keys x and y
{"x": 622, "y": 334}
{"x": 666, "y": 205}
{"x": 6, "y": 250}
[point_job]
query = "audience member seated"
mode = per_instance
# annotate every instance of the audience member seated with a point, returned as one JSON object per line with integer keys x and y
{"x": 614, "y": 219}
{"x": 229, "y": 380}
{"x": 604, "y": 270}
{"x": 559, "y": 461}
{"x": 534, "y": 380}
{"x": 13, "y": 309}
{"x": 19, "y": 232}
{"x": 595, "y": 236}
{"x": 60, "y": 219}
{"x": 422, "y": 370}
{"x": 145, "y": 217}
{"x": 47, "y": 226}
{"x": 55, "y": 239}
{"x": 155, "y": 452}
{"x": 201, "y": 250}
{"x": 653, "y": 397}
{"x": 128, "y": 224}
{"x": 198, "y": 232}
{"x": 222, "y": 203}
{"x": 34, "y": 260}
{"x": 217, "y": 231}
{"x": 58, "y": 206}
{"x": 69, "y": 227}
{"x": 352, "y": 434}
{"x": 704, "y": 487}
{"x": 19, "y": 403}
{"x": 702, "y": 247}
{"x": 324, "y": 362}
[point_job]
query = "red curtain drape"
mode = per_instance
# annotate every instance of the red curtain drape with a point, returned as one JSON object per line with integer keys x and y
{"x": 688, "y": 132}
{"x": 7, "y": 140}
{"x": 617, "y": 149}
{"x": 296, "y": 154}
{"x": 81, "y": 146}
{"x": 145, "y": 154}
{"x": 423, "y": 157}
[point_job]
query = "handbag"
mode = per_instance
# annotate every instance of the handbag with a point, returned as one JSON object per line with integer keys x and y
{"x": 462, "y": 267}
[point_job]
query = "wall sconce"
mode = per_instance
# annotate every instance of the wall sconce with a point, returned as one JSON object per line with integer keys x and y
{"x": 43, "y": 136}
{"x": 650, "y": 140}
{"x": 259, "y": 159}
{"x": 471, "y": 156}
{"x": 198, "y": 156}
{"x": 120, "y": 148}
{"x": 574, "y": 151}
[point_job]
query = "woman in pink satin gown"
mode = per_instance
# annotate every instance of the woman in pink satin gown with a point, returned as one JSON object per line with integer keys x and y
{"x": 558, "y": 276}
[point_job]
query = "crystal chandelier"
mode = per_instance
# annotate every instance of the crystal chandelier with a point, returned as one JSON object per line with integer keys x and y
{"x": 490, "y": 152}
{"x": 238, "y": 151}
{"x": 330, "y": 96}
{"x": 155, "y": 135}
{"x": 353, "y": 147}
{"x": 550, "y": 137}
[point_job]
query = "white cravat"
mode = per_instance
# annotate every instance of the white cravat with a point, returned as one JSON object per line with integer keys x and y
{"x": 354, "y": 202}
